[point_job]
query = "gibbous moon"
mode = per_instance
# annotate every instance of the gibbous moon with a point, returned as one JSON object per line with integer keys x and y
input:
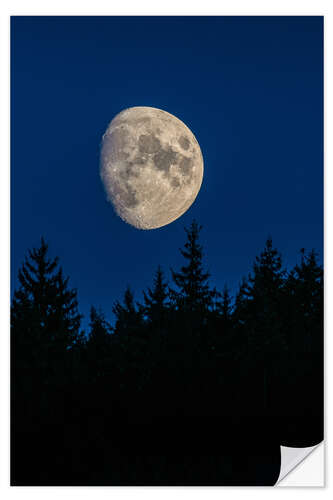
{"x": 151, "y": 167}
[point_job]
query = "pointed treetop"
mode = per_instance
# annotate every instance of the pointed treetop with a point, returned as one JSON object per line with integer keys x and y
{"x": 193, "y": 292}
{"x": 45, "y": 300}
{"x": 155, "y": 299}
{"x": 99, "y": 327}
{"x": 267, "y": 269}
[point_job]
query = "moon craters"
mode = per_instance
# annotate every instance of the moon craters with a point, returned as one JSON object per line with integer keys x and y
{"x": 151, "y": 167}
{"x": 184, "y": 142}
{"x": 149, "y": 143}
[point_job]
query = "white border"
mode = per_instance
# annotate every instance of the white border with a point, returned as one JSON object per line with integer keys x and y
{"x": 142, "y": 7}
{"x": 172, "y": 7}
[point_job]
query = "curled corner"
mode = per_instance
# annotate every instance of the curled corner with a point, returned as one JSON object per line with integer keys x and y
{"x": 292, "y": 457}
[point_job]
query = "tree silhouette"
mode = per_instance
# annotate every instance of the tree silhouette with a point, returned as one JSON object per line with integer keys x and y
{"x": 304, "y": 288}
{"x": 126, "y": 313}
{"x": 226, "y": 342}
{"x": 156, "y": 299}
{"x": 241, "y": 302}
{"x": 226, "y": 305}
{"x": 45, "y": 321}
{"x": 99, "y": 342}
{"x": 299, "y": 381}
{"x": 100, "y": 329}
{"x": 194, "y": 294}
{"x": 157, "y": 313}
{"x": 45, "y": 333}
{"x": 179, "y": 389}
{"x": 259, "y": 326}
{"x": 264, "y": 305}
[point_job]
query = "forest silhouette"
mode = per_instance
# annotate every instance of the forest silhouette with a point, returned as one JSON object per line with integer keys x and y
{"x": 191, "y": 386}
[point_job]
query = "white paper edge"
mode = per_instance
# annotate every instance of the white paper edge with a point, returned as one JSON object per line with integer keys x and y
{"x": 296, "y": 471}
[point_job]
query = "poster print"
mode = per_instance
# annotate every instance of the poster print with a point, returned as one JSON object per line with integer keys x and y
{"x": 167, "y": 248}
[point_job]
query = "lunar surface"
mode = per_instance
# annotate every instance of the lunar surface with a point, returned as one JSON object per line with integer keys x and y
{"x": 151, "y": 167}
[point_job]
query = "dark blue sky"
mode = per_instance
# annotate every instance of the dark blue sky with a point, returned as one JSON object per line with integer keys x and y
{"x": 249, "y": 88}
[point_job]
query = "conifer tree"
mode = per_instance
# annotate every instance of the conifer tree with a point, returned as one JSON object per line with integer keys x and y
{"x": 241, "y": 302}
{"x": 156, "y": 299}
{"x": 194, "y": 294}
{"x": 128, "y": 317}
{"x": 265, "y": 305}
{"x": 100, "y": 329}
{"x": 226, "y": 305}
{"x": 45, "y": 334}
{"x": 44, "y": 313}
{"x": 304, "y": 303}
{"x": 99, "y": 344}
{"x": 221, "y": 324}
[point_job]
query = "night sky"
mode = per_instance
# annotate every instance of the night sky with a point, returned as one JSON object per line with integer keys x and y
{"x": 249, "y": 88}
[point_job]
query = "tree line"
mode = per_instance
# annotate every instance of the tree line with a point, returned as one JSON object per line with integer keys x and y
{"x": 162, "y": 395}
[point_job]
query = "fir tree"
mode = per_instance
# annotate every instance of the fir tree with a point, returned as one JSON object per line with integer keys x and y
{"x": 100, "y": 329}
{"x": 44, "y": 313}
{"x": 194, "y": 294}
{"x": 241, "y": 302}
{"x": 225, "y": 306}
{"x": 45, "y": 325}
{"x": 221, "y": 330}
{"x": 156, "y": 299}
{"x": 304, "y": 303}
{"x": 99, "y": 343}
{"x": 128, "y": 317}
{"x": 265, "y": 306}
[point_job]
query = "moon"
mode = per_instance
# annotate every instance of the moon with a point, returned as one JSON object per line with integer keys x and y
{"x": 151, "y": 166}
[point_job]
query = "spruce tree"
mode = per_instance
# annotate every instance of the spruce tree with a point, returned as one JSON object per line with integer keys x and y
{"x": 194, "y": 294}
{"x": 189, "y": 340}
{"x": 226, "y": 305}
{"x": 44, "y": 312}
{"x": 100, "y": 329}
{"x": 221, "y": 324}
{"x": 304, "y": 305}
{"x": 128, "y": 317}
{"x": 241, "y": 302}
{"x": 262, "y": 307}
{"x": 265, "y": 305}
{"x": 129, "y": 329}
{"x": 45, "y": 333}
{"x": 156, "y": 299}
{"x": 99, "y": 344}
